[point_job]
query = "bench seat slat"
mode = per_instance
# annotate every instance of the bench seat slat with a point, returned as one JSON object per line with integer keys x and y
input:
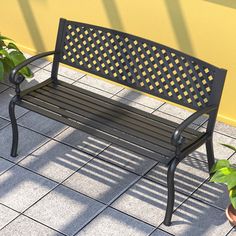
{"x": 94, "y": 117}
{"x": 102, "y": 126}
{"x": 128, "y": 116}
{"x": 98, "y": 133}
{"x": 139, "y": 114}
{"x": 111, "y": 117}
{"x": 107, "y": 120}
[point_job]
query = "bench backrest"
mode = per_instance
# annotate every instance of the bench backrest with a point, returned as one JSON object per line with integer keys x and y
{"x": 139, "y": 63}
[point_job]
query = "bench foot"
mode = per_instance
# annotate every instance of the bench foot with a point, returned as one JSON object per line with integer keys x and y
{"x": 14, "y": 128}
{"x": 171, "y": 192}
{"x": 210, "y": 153}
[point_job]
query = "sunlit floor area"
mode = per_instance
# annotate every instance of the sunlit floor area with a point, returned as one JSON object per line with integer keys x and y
{"x": 66, "y": 182}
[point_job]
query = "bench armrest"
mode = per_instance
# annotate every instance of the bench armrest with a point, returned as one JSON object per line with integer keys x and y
{"x": 16, "y": 78}
{"x": 177, "y": 137}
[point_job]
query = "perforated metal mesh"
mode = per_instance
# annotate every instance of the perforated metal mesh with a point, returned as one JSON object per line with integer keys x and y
{"x": 138, "y": 63}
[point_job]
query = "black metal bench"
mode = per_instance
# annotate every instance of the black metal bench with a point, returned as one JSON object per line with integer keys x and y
{"x": 140, "y": 64}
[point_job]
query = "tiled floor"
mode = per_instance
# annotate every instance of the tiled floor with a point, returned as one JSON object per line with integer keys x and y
{"x": 66, "y": 182}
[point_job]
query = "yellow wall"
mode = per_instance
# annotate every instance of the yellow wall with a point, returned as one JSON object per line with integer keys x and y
{"x": 202, "y": 28}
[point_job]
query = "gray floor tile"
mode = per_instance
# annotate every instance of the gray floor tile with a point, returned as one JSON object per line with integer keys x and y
{"x": 82, "y": 141}
{"x": 28, "y": 142}
{"x": 65, "y": 210}
{"x": 176, "y": 111}
{"x": 3, "y": 87}
{"x": 39, "y": 77}
{"x": 5, "y": 98}
{"x": 140, "y": 98}
{"x": 20, "y": 188}
{"x": 127, "y": 159}
{"x": 6, "y": 81}
{"x": 33, "y": 69}
{"x": 65, "y": 79}
{"x": 196, "y": 218}
{"x": 100, "y": 180}
{"x": 101, "y": 84}
{"x": 133, "y": 104}
{"x": 42, "y": 62}
{"x": 68, "y": 72}
{"x": 172, "y": 118}
{"x": 112, "y": 222}
{"x": 214, "y": 194}
{"x": 24, "y": 226}
{"x": 189, "y": 175}
{"x": 3, "y": 123}
{"x": 180, "y": 113}
{"x": 225, "y": 129}
{"x": 220, "y": 151}
{"x": 6, "y": 215}
{"x": 94, "y": 89}
{"x": 159, "y": 232}
{"x": 55, "y": 161}
{"x": 4, "y": 165}
{"x": 146, "y": 200}
{"x": 41, "y": 124}
{"x": 232, "y": 233}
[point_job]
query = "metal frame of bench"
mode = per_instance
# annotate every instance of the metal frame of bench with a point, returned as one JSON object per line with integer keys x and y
{"x": 137, "y": 63}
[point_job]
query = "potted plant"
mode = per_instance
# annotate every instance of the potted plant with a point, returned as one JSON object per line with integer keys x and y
{"x": 10, "y": 56}
{"x": 224, "y": 172}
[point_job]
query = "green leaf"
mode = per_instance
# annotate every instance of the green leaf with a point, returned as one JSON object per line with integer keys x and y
{"x": 232, "y": 196}
{"x": 4, "y": 53}
{"x": 5, "y": 38}
{"x": 1, "y": 70}
{"x": 229, "y": 146}
{"x": 17, "y": 58}
{"x": 219, "y": 164}
{"x": 2, "y": 44}
{"x": 8, "y": 64}
{"x": 221, "y": 176}
{"x": 12, "y": 46}
{"x": 231, "y": 180}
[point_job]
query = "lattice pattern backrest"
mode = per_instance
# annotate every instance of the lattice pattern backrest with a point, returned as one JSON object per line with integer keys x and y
{"x": 138, "y": 63}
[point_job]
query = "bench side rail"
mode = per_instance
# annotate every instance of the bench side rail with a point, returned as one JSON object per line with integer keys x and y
{"x": 138, "y": 63}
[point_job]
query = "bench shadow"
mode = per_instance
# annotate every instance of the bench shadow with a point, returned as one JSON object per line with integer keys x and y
{"x": 111, "y": 177}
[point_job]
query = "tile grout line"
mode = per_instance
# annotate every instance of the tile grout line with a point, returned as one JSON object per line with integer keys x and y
{"x": 53, "y": 138}
{"x": 57, "y": 185}
{"x": 157, "y": 109}
{"x": 21, "y": 214}
{"x": 7, "y": 87}
{"x": 217, "y": 131}
{"x": 201, "y": 200}
{"x": 116, "y": 197}
{"x": 231, "y": 230}
{"x": 127, "y": 170}
{"x": 97, "y": 156}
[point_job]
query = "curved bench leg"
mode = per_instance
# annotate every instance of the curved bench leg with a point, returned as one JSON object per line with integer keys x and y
{"x": 171, "y": 192}
{"x": 210, "y": 153}
{"x": 14, "y": 128}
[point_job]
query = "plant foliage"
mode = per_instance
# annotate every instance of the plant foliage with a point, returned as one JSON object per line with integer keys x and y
{"x": 224, "y": 172}
{"x": 10, "y": 56}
